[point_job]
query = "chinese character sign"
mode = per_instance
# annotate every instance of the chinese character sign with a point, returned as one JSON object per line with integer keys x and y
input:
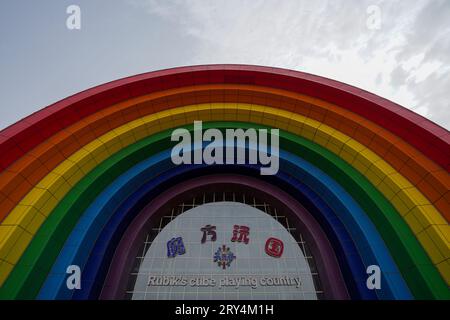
{"x": 175, "y": 247}
{"x": 274, "y": 247}
{"x": 240, "y": 234}
{"x": 208, "y": 230}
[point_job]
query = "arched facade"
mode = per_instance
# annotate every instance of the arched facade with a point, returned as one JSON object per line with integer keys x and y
{"x": 372, "y": 175}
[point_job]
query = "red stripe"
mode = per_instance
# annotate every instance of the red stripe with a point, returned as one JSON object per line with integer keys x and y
{"x": 431, "y": 139}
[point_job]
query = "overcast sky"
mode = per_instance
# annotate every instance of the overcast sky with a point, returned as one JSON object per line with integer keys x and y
{"x": 399, "y": 50}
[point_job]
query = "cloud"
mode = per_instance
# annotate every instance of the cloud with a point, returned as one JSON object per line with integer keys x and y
{"x": 406, "y": 60}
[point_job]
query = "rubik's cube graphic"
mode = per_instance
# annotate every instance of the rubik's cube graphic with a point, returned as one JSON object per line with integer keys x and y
{"x": 224, "y": 257}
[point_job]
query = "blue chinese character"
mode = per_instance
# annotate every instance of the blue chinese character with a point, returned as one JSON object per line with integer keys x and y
{"x": 175, "y": 247}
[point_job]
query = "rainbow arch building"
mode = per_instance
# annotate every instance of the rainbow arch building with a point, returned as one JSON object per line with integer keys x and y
{"x": 365, "y": 180}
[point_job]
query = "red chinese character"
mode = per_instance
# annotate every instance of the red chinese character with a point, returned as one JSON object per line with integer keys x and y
{"x": 240, "y": 234}
{"x": 274, "y": 247}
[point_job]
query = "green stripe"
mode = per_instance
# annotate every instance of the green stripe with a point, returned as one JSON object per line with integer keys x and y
{"x": 32, "y": 269}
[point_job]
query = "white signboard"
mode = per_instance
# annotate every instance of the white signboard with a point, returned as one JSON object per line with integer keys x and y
{"x": 224, "y": 250}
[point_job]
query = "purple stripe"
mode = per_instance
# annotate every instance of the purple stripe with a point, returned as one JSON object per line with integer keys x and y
{"x": 124, "y": 256}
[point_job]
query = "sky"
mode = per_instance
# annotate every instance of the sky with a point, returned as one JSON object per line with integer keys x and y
{"x": 398, "y": 49}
